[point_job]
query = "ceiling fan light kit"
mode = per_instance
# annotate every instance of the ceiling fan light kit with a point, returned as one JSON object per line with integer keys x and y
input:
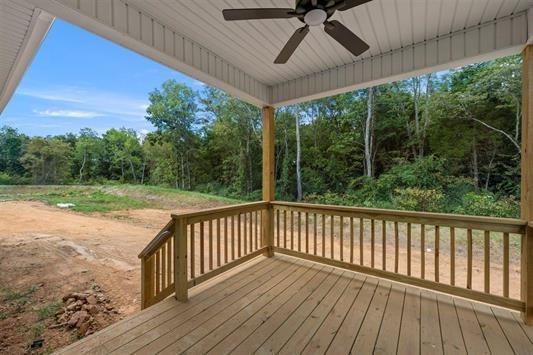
{"x": 311, "y": 13}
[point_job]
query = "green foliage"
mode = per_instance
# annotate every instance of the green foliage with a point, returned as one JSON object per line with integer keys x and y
{"x": 487, "y": 204}
{"x": 414, "y": 199}
{"x": 48, "y": 310}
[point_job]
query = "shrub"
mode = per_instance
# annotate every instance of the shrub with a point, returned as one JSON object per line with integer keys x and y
{"x": 414, "y": 199}
{"x": 487, "y": 204}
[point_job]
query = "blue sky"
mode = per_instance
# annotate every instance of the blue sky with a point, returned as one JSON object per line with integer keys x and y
{"x": 79, "y": 80}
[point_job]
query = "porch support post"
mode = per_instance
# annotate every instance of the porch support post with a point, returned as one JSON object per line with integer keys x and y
{"x": 180, "y": 262}
{"x": 526, "y": 183}
{"x": 268, "y": 178}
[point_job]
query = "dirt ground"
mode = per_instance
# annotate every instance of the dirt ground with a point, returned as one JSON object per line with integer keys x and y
{"x": 46, "y": 252}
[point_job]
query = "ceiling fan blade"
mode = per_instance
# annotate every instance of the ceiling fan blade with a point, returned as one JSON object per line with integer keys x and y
{"x": 348, "y": 4}
{"x": 257, "y": 14}
{"x": 347, "y": 38}
{"x": 291, "y": 45}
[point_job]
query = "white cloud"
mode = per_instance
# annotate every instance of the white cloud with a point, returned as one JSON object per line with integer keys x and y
{"x": 68, "y": 113}
{"x": 91, "y": 100}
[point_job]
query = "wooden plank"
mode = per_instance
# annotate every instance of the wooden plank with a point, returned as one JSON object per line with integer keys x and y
{"x": 432, "y": 285}
{"x": 496, "y": 340}
{"x": 372, "y": 242}
{"x": 437, "y": 252}
{"x": 314, "y": 234}
{"x": 239, "y": 236}
{"x": 422, "y": 251}
{"x": 180, "y": 264}
{"x": 292, "y": 230}
{"x": 164, "y": 266}
{"x": 368, "y": 333}
{"x": 277, "y": 229}
{"x": 396, "y": 247}
{"x": 452, "y": 338}
{"x": 486, "y": 261}
{"x": 263, "y": 325}
{"x": 285, "y": 229}
{"x": 472, "y": 334}
{"x": 166, "y": 333}
{"x": 225, "y": 239}
{"x": 506, "y": 264}
{"x": 332, "y": 237}
{"x": 158, "y": 271}
{"x": 409, "y": 341}
{"x": 452, "y": 256}
{"x": 250, "y": 231}
{"x": 384, "y": 245}
{"x": 299, "y": 221}
{"x": 232, "y": 237}
{"x": 244, "y": 222}
{"x": 192, "y": 244}
{"x": 221, "y": 333}
{"x": 430, "y": 332}
{"x": 513, "y": 331}
{"x": 350, "y": 314}
{"x": 526, "y": 268}
{"x": 220, "y": 212}
{"x": 341, "y": 238}
{"x": 408, "y": 249}
{"x": 351, "y": 239}
{"x": 210, "y": 244}
{"x": 202, "y": 249}
{"x": 389, "y": 333}
{"x": 469, "y": 246}
{"x": 307, "y": 232}
{"x": 286, "y": 340}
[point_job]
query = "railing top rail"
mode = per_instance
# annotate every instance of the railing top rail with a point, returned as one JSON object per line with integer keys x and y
{"x": 159, "y": 239}
{"x": 510, "y": 225}
{"x": 198, "y": 216}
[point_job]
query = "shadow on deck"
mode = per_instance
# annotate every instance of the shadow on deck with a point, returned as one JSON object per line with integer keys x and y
{"x": 288, "y": 305}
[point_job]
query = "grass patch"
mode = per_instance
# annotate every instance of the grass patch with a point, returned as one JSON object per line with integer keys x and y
{"x": 49, "y": 310}
{"x": 37, "y": 330}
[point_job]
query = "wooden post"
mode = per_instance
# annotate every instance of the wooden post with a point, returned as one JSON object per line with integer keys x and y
{"x": 146, "y": 281}
{"x": 268, "y": 177}
{"x": 526, "y": 183}
{"x": 180, "y": 252}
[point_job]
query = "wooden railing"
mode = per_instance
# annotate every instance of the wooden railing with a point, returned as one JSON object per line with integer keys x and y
{"x": 194, "y": 247}
{"x": 472, "y": 257}
{"x": 481, "y": 258}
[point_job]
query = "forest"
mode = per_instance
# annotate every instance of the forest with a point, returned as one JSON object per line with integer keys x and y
{"x": 447, "y": 142}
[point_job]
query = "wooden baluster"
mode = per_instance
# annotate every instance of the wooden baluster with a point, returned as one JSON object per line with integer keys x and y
{"x": 233, "y": 237}
{"x": 437, "y": 252}
{"x": 218, "y": 242}
{"x": 332, "y": 237}
{"x": 251, "y": 229}
{"x": 285, "y": 229}
{"x": 341, "y": 237}
{"x": 210, "y": 245}
{"x": 163, "y": 266}
{"x": 170, "y": 269}
{"x": 486, "y": 261}
{"x": 409, "y": 249}
{"x": 239, "y": 227}
{"x": 452, "y": 256}
{"x": 506, "y": 264}
{"x": 180, "y": 255}
{"x": 277, "y": 228}
{"x": 314, "y": 233}
{"x": 384, "y": 244}
{"x": 257, "y": 246}
{"x": 372, "y": 242}
{"x": 306, "y": 233}
{"x": 157, "y": 271}
{"x": 225, "y": 240}
{"x": 245, "y": 243}
{"x": 292, "y": 230}
{"x": 396, "y": 247}
{"x": 324, "y": 235}
{"x": 299, "y": 231}
{"x": 469, "y": 259}
{"x": 361, "y": 240}
{"x": 202, "y": 248}
{"x": 351, "y": 240}
{"x": 192, "y": 256}
{"x": 423, "y": 251}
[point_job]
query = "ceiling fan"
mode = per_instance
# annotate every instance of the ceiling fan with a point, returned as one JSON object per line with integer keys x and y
{"x": 312, "y": 13}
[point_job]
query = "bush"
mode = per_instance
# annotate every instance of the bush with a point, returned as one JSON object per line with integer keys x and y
{"x": 487, "y": 204}
{"x": 413, "y": 199}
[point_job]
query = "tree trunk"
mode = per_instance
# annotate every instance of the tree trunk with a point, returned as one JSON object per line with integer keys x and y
{"x": 489, "y": 169}
{"x": 83, "y": 165}
{"x": 133, "y": 171}
{"x": 475, "y": 168}
{"x": 369, "y": 124}
{"x": 298, "y": 157}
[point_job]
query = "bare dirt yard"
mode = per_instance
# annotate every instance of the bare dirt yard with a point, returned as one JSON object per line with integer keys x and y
{"x": 52, "y": 259}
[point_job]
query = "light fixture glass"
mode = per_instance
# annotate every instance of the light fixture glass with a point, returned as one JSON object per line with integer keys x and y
{"x": 315, "y": 17}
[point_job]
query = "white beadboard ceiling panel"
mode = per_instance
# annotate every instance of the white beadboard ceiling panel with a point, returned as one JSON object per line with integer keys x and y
{"x": 22, "y": 29}
{"x": 406, "y": 37}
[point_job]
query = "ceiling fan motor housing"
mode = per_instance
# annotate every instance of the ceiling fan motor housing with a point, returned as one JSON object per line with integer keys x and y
{"x": 313, "y": 12}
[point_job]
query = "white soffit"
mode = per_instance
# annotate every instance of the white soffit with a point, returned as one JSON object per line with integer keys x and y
{"x": 22, "y": 29}
{"x": 406, "y": 37}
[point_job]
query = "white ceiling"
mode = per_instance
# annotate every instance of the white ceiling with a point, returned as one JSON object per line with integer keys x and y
{"x": 406, "y": 37}
{"x": 385, "y": 25}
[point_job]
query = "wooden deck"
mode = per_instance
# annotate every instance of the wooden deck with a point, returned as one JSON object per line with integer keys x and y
{"x": 287, "y": 305}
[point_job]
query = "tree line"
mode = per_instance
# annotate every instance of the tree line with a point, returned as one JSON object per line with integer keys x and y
{"x": 446, "y": 141}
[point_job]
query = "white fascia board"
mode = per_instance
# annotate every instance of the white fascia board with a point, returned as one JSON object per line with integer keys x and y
{"x": 37, "y": 30}
{"x": 123, "y": 24}
{"x": 491, "y": 40}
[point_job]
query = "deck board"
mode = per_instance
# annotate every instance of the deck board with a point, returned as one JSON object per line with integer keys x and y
{"x": 290, "y": 306}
